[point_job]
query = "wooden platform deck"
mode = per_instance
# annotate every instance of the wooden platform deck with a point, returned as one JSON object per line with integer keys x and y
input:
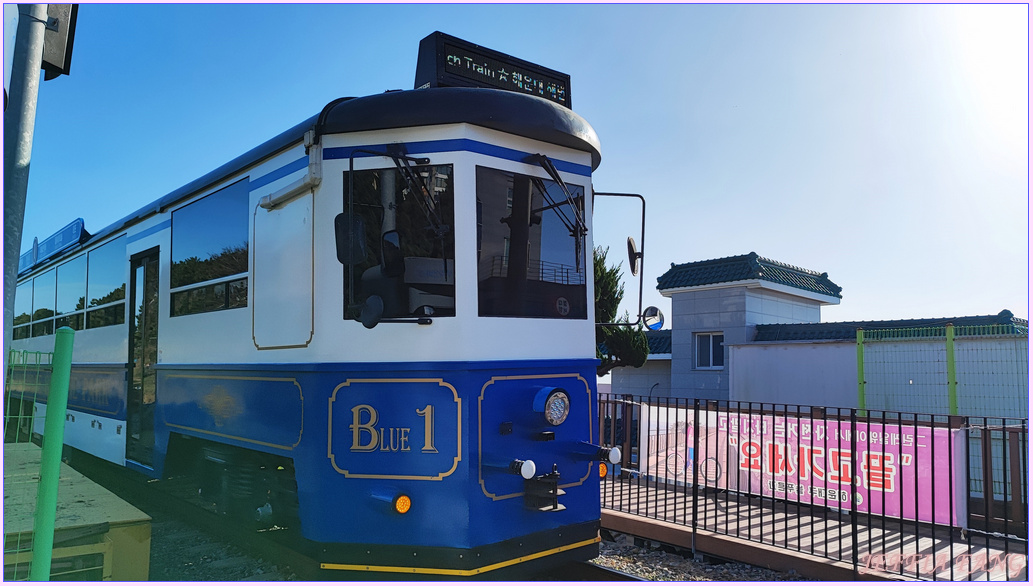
{"x": 91, "y": 523}
{"x": 760, "y": 527}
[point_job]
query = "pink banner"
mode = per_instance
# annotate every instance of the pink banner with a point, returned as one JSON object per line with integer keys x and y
{"x": 904, "y": 471}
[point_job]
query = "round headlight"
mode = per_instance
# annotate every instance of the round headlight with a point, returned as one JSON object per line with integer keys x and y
{"x": 557, "y": 406}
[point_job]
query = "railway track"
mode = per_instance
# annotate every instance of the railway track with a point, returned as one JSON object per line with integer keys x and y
{"x": 187, "y": 536}
{"x": 190, "y": 541}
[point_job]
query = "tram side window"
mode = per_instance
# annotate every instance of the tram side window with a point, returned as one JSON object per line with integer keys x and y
{"x": 106, "y": 284}
{"x": 22, "y": 310}
{"x": 44, "y": 294}
{"x": 529, "y": 261}
{"x": 71, "y": 294}
{"x": 406, "y": 249}
{"x": 210, "y": 252}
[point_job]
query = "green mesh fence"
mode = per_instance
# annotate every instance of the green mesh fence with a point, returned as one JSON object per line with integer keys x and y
{"x": 972, "y": 370}
{"x": 977, "y": 372}
{"x": 28, "y": 378}
{"x": 31, "y": 475}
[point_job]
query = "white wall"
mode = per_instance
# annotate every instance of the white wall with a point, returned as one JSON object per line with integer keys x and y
{"x": 795, "y": 373}
{"x": 640, "y": 381}
{"x": 909, "y": 376}
{"x": 764, "y": 306}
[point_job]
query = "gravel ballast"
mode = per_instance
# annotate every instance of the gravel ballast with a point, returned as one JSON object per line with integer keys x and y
{"x": 656, "y": 564}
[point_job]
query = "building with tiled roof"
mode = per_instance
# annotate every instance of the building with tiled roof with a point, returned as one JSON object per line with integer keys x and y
{"x": 748, "y": 328}
{"x": 750, "y": 270}
{"x": 719, "y": 302}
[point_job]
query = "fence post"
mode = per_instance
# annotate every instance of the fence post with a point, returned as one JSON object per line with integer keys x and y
{"x": 50, "y": 461}
{"x": 853, "y": 496}
{"x": 695, "y": 474}
{"x": 952, "y": 373}
{"x": 860, "y": 372}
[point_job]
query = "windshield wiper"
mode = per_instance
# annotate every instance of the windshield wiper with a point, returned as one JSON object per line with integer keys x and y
{"x": 414, "y": 181}
{"x": 577, "y": 227}
{"x": 416, "y": 186}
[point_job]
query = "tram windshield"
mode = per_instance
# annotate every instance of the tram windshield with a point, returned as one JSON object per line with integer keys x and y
{"x": 403, "y": 243}
{"x": 530, "y": 247}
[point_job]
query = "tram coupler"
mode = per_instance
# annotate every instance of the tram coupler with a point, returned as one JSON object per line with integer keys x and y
{"x": 542, "y": 493}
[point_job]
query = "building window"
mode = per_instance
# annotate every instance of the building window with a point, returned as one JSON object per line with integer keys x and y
{"x": 710, "y": 351}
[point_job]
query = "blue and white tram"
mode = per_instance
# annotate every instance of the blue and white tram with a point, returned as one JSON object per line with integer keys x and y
{"x": 378, "y": 323}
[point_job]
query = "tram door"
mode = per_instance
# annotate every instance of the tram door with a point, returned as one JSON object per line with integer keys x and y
{"x": 143, "y": 356}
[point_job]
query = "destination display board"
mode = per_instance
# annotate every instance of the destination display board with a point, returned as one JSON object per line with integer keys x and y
{"x": 446, "y": 61}
{"x": 72, "y": 234}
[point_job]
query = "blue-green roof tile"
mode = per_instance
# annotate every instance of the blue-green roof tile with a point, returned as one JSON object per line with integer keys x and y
{"x": 659, "y": 341}
{"x": 743, "y": 268}
{"x": 1002, "y": 323}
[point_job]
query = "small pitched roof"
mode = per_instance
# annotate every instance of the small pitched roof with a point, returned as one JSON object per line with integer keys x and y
{"x": 746, "y": 267}
{"x": 1005, "y": 321}
{"x": 659, "y": 341}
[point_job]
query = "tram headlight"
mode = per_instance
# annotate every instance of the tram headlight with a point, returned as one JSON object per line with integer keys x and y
{"x": 554, "y": 403}
{"x": 557, "y": 406}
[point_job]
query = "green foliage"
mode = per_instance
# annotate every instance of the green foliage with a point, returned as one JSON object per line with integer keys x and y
{"x": 614, "y": 346}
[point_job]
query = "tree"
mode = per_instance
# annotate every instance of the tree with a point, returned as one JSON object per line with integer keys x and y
{"x": 614, "y": 346}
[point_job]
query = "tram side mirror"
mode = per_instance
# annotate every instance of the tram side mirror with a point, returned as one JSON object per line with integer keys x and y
{"x": 351, "y": 239}
{"x": 653, "y": 318}
{"x": 392, "y": 263}
{"x": 634, "y": 257}
{"x": 372, "y": 311}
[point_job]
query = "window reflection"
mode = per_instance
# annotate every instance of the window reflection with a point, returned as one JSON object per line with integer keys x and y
{"x": 210, "y": 242}
{"x": 106, "y": 278}
{"x": 209, "y": 237}
{"x": 71, "y": 286}
{"x": 22, "y": 310}
{"x": 529, "y": 262}
{"x": 44, "y": 293}
{"x": 408, "y": 242}
{"x": 106, "y": 284}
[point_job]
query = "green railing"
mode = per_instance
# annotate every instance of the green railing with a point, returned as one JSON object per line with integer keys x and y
{"x": 25, "y": 373}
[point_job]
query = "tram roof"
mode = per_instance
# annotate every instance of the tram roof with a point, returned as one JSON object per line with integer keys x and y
{"x": 510, "y": 112}
{"x": 523, "y": 115}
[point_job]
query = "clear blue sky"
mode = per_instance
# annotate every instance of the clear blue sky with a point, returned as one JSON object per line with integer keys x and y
{"x": 885, "y": 145}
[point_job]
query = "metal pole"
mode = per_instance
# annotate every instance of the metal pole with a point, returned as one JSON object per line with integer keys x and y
{"x": 853, "y": 498}
{"x": 952, "y": 373}
{"x": 695, "y": 475}
{"x": 50, "y": 462}
{"x": 860, "y": 371}
{"x": 19, "y": 122}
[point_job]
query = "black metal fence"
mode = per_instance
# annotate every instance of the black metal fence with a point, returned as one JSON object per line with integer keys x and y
{"x": 922, "y": 496}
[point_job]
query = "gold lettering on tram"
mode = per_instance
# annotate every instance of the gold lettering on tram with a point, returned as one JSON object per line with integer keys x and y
{"x": 367, "y": 437}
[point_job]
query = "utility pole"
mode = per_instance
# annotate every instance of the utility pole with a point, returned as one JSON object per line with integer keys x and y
{"x": 19, "y": 123}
